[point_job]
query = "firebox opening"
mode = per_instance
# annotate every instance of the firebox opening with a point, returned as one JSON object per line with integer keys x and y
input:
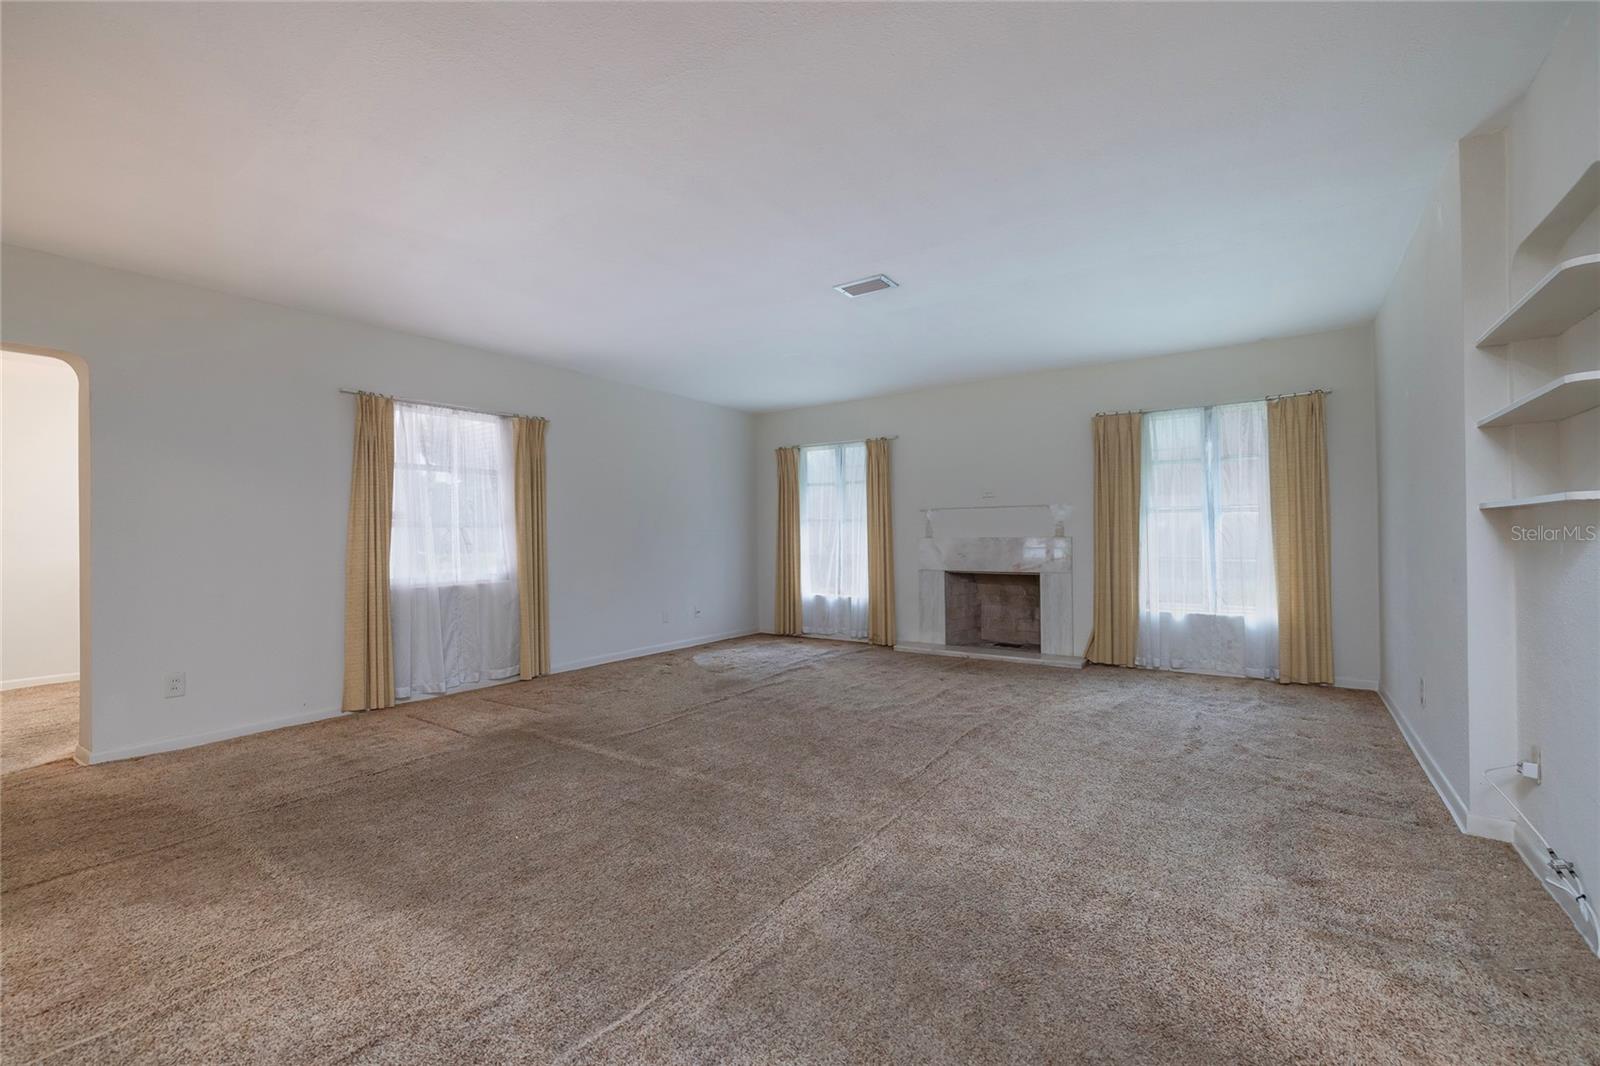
{"x": 991, "y": 610}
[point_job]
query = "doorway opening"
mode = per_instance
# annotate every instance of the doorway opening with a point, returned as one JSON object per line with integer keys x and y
{"x": 43, "y": 594}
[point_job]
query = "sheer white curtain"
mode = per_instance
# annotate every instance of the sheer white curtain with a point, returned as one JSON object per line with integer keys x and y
{"x": 833, "y": 540}
{"x": 452, "y": 564}
{"x": 1208, "y": 597}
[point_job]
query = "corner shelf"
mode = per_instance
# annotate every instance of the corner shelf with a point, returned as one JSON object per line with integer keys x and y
{"x": 1569, "y": 395}
{"x": 1578, "y": 204}
{"x": 1536, "y": 501}
{"x": 1565, "y": 296}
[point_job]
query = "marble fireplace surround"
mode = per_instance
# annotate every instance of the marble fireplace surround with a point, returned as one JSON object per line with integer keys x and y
{"x": 1050, "y": 557}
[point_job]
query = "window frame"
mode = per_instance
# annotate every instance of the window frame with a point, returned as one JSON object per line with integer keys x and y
{"x": 455, "y": 476}
{"x": 839, "y": 486}
{"x": 1210, "y": 509}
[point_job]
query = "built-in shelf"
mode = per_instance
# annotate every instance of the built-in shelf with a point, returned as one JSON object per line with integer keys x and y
{"x": 1536, "y": 501}
{"x": 1578, "y": 204}
{"x": 1564, "y": 297}
{"x": 1569, "y": 395}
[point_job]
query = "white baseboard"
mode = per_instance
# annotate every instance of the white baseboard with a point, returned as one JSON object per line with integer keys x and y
{"x": 1528, "y": 848}
{"x": 194, "y": 740}
{"x": 1441, "y": 784}
{"x": 1356, "y": 683}
{"x": 35, "y": 682}
{"x": 1501, "y": 829}
{"x": 649, "y": 649}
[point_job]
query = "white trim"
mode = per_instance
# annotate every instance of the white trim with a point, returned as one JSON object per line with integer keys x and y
{"x": 1529, "y": 850}
{"x": 1441, "y": 783}
{"x": 1482, "y": 825}
{"x": 649, "y": 649}
{"x": 35, "y": 682}
{"x": 194, "y": 740}
{"x": 1356, "y": 683}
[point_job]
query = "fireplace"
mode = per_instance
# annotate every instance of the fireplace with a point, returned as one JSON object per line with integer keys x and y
{"x": 991, "y": 610}
{"x": 995, "y": 582}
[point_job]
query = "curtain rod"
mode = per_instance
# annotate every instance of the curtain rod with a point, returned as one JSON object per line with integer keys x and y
{"x": 1191, "y": 406}
{"x": 831, "y": 443}
{"x": 446, "y": 406}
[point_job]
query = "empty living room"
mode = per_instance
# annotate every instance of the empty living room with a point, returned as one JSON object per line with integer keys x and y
{"x": 800, "y": 532}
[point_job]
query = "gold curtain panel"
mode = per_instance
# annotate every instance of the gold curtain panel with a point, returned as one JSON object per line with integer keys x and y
{"x": 533, "y": 559}
{"x": 880, "y": 546}
{"x": 1115, "y": 637}
{"x": 786, "y": 604}
{"x": 368, "y": 642}
{"x": 1297, "y": 460}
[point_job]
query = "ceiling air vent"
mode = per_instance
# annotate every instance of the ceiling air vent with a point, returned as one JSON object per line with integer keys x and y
{"x": 876, "y": 283}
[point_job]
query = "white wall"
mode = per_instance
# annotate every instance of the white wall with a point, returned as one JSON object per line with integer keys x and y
{"x": 1026, "y": 439}
{"x": 1502, "y": 624}
{"x": 1423, "y": 492}
{"x": 221, "y": 463}
{"x": 39, "y": 527}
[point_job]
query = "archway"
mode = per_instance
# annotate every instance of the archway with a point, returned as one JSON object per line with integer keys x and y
{"x": 83, "y": 746}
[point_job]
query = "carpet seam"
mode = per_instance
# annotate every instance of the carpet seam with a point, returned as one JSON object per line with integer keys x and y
{"x": 318, "y": 792}
{"x": 825, "y": 871}
{"x": 331, "y": 787}
{"x": 699, "y": 707}
{"x": 172, "y": 1005}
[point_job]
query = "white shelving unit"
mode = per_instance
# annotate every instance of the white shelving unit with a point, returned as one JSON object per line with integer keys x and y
{"x": 1538, "y": 501}
{"x": 1562, "y": 298}
{"x": 1568, "y": 395}
{"x": 1579, "y": 203}
{"x": 1566, "y": 295}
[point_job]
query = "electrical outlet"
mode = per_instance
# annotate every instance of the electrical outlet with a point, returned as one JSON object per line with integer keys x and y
{"x": 664, "y": 618}
{"x": 1532, "y": 767}
{"x": 177, "y": 685}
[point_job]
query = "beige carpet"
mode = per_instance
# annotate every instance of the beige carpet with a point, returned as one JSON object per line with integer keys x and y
{"x": 38, "y": 725}
{"x": 774, "y": 850}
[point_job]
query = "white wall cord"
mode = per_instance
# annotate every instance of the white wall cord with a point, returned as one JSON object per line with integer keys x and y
{"x": 1566, "y": 877}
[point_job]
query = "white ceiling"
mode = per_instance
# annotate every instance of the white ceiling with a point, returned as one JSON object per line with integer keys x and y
{"x": 665, "y": 193}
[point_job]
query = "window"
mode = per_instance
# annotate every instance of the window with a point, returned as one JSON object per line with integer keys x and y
{"x": 1206, "y": 518}
{"x": 454, "y": 518}
{"x": 453, "y": 598}
{"x": 833, "y": 539}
